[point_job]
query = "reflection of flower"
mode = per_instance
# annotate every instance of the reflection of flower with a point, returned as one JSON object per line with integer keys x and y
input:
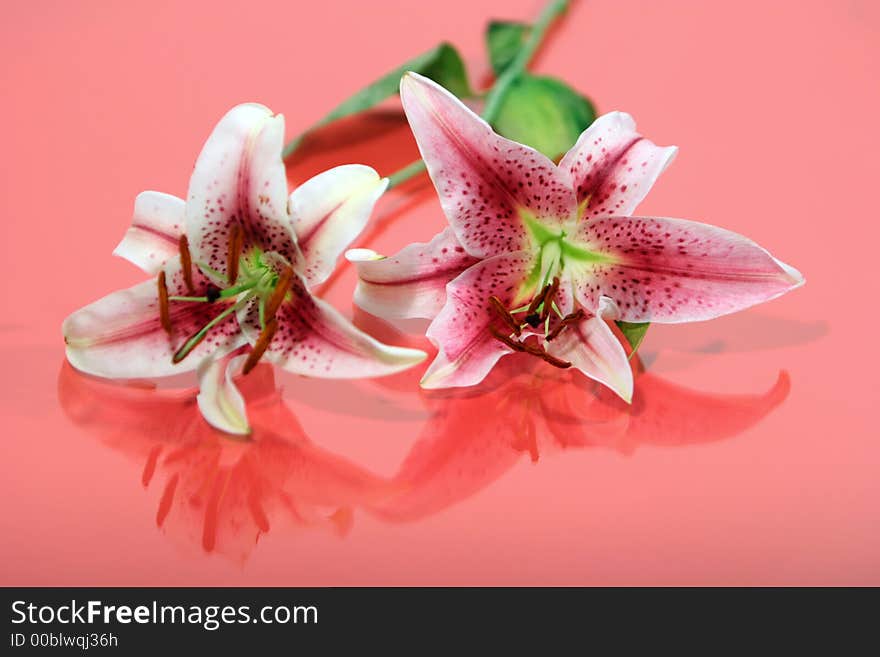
{"x": 235, "y": 264}
{"x": 223, "y": 494}
{"x": 536, "y": 255}
{"x": 477, "y": 434}
{"x": 219, "y": 493}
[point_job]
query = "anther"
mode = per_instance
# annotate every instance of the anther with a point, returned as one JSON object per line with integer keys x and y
{"x": 164, "y": 315}
{"x": 505, "y": 315}
{"x": 260, "y": 346}
{"x": 571, "y": 318}
{"x": 536, "y": 301}
{"x": 281, "y": 288}
{"x": 234, "y": 253}
{"x": 554, "y": 361}
{"x": 548, "y": 297}
{"x": 506, "y": 339}
{"x": 537, "y": 350}
{"x": 186, "y": 264}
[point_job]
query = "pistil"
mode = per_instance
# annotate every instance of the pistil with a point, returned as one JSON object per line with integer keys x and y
{"x": 194, "y": 340}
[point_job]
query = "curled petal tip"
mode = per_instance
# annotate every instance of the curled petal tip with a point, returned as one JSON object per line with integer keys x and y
{"x": 792, "y": 275}
{"x": 363, "y": 255}
{"x": 219, "y": 400}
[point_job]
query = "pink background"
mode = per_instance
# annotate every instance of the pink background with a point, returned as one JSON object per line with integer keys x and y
{"x": 725, "y": 472}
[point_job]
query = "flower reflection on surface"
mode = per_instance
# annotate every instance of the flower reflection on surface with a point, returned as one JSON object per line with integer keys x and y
{"x": 222, "y": 494}
{"x": 472, "y": 439}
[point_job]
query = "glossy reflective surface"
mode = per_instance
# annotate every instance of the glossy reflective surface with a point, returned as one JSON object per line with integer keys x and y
{"x": 749, "y": 454}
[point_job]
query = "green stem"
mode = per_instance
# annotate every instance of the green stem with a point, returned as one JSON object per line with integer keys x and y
{"x": 495, "y": 95}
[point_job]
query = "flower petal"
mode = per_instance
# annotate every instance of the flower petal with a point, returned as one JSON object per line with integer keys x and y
{"x": 155, "y": 231}
{"x": 329, "y": 211}
{"x": 240, "y": 178}
{"x": 672, "y": 270}
{"x": 613, "y": 167}
{"x": 486, "y": 183}
{"x": 219, "y": 400}
{"x": 461, "y": 332}
{"x": 411, "y": 283}
{"x": 121, "y": 335}
{"x": 592, "y": 347}
{"x": 314, "y": 339}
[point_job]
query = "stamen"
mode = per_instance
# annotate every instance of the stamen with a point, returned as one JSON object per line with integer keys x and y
{"x": 548, "y": 297}
{"x": 571, "y": 318}
{"x": 537, "y": 350}
{"x": 538, "y": 300}
{"x": 212, "y": 293}
{"x": 186, "y": 264}
{"x": 164, "y": 315}
{"x": 260, "y": 346}
{"x": 503, "y": 313}
{"x": 281, "y": 288}
{"x": 554, "y": 361}
{"x": 234, "y": 253}
{"x": 506, "y": 339}
{"x": 194, "y": 340}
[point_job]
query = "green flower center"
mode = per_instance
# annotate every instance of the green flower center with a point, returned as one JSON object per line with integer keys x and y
{"x": 250, "y": 275}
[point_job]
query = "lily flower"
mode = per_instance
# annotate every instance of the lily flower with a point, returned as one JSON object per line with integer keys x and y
{"x": 538, "y": 256}
{"x": 233, "y": 267}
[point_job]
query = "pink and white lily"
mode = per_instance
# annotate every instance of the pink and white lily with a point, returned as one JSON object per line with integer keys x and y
{"x": 235, "y": 264}
{"x": 537, "y": 255}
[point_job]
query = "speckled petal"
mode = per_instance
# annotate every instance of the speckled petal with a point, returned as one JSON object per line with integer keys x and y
{"x": 613, "y": 167}
{"x": 329, "y": 211}
{"x": 486, "y": 183}
{"x": 672, "y": 270}
{"x": 467, "y": 350}
{"x": 591, "y": 347}
{"x": 239, "y": 178}
{"x": 411, "y": 283}
{"x": 121, "y": 336}
{"x": 156, "y": 227}
{"x": 219, "y": 400}
{"x": 314, "y": 339}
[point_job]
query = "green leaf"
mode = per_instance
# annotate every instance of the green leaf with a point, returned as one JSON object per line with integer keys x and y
{"x": 544, "y": 113}
{"x": 442, "y": 64}
{"x": 503, "y": 41}
{"x": 634, "y": 333}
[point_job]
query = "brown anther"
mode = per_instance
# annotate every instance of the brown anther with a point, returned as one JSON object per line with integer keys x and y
{"x": 236, "y": 240}
{"x": 569, "y": 319}
{"x": 260, "y": 346}
{"x": 164, "y": 315}
{"x": 554, "y": 361}
{"x": 281, "y": 288}
{"x": 548, "y": 297}
{"x": 537, "y": 350}
{"x": 504, "y": 314}
{"x": 186, "y": 264}
{"x": 536, "y": 301}
{"x": 506, "y": 339}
